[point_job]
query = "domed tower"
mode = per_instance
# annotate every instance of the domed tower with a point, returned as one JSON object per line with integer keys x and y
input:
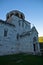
{"x": 15, "y": 13}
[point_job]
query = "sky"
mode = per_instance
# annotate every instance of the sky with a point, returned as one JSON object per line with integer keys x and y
{"x": 32, "y": 9}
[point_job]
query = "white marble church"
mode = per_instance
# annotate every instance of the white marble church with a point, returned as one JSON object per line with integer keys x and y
{"x": 17, "y": 36}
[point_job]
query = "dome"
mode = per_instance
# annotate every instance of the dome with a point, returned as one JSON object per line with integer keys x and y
{"x": 15, "y": 13}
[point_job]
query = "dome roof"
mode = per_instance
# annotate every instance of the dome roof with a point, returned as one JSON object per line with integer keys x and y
{"x": 16, "y": 13}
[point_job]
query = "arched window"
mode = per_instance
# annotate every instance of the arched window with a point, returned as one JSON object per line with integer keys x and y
{"x": 7, "y": 17}
{"x": 34, "y": 47}
{"x": 5, "y": 32}
{"x": 17, "y": 14}
{"x": 17, "y": 36}
{"x": 11, "y": 14}
{"x": 21, "y": 16}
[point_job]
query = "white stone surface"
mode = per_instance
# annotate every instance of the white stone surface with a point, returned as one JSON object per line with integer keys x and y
{"x": 24, "y": 44}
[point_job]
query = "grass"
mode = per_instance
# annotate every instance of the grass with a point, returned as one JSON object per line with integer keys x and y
{"x": 21, "y": 59}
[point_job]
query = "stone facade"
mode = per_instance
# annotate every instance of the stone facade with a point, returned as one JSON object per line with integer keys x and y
{"x": 17, "y": 36}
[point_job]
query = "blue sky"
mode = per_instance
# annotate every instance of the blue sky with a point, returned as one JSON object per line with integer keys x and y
{"x": 33, "y": 10}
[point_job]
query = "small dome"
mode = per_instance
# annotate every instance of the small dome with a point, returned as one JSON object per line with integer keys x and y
{"x": 16, "y": 13}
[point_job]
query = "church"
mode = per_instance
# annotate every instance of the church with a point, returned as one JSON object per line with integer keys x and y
{"x": 17, "y": 36}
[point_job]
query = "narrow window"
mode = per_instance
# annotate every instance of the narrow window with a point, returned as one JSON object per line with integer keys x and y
{"x": 11, "y": 14}
{"x": 17, "y": 36}
{"x": 22, "y": 24}
{"x": 34, "y": 46}
{"x": 17, "y": 14}
{"x": 7, "y": 17}
{"x": 21, "y": 16}
{"x": 5, "y": 32}
{"x": 19, "y": 22}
